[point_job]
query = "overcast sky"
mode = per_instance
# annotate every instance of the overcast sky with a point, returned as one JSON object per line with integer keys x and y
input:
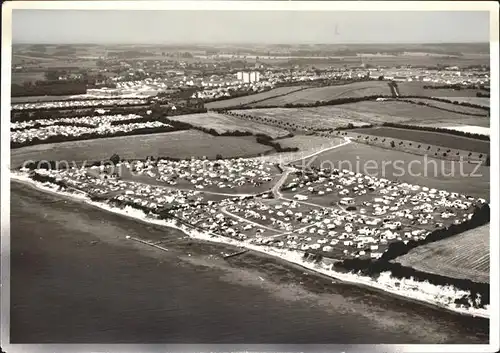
{"x": 145, "y": 27}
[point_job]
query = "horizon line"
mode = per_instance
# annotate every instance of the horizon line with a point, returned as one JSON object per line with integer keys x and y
{"x": 251, "y": 43}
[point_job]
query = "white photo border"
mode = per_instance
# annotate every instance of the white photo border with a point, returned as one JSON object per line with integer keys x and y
{"x": 489, "y": 6}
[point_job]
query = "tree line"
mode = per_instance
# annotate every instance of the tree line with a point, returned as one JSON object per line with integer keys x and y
{"x": 288, "y": 125}
{"x": 438, "y": 129}
{"x": 444, "y": 100}
{"x": 442, "y": 108}
{"x": 336, "y": 101}
{"x": 267, "y": 140}
{"x": 456, "y": 86}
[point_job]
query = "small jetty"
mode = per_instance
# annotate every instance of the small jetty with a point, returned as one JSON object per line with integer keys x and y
{"x": 148, "y": 243}
{"x": 235, "y": 254}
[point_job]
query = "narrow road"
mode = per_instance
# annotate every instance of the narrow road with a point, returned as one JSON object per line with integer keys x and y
{"x": 293, "y": 231}
{"x": 197, "y": 190}
{"x": 339, "y": 208}
{"x": 226, "y": 212}
{"x": 276, "y": 188}
{"x": 287, "y": 169}
{"x": 315, "y": 155}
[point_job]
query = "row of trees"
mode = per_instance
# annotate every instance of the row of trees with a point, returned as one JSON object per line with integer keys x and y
{"x": 457, "y": 86}
{"x": 437, "y": 129}
{"x": 267, "y": 120}
{"x": 445, "y": 100}
{"x": 442, "y": 108}
{"x": 346, "y": 100}
{"x": 306, "y": 84}
{"x": 267, "y": 140}
{"x": 336, "y": 101}
{"x": 393, "y": 85}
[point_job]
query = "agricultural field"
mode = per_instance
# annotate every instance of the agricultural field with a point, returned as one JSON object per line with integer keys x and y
{"x": 417, "y": 89}
{"x": 307, "y": 145}
{"x": 307, "y": 142}
{"x": 311, "y": 118}
{"x": 466, "y": 255}
{"x": 482, "y": 101}
{"x": 450, "y": 107}
{"x": 465, "y": 178}
{"x": 431, "y": 138}
{"x": 224, "y": 123}
{"x": 465, "y": 128}
{"x": 312, "y": 95}
{"x": 177, "y": 144}
{"x": 251, "y": 98}
{"x": 408, "y": 113}
{"x": 34, "y": 99}
{"x": 21, "y": 77}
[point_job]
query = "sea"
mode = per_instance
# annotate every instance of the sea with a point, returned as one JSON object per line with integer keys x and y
{"x": 76, "y": 278}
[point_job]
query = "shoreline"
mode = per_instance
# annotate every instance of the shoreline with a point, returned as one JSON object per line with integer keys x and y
{"x": 435, "y": 296}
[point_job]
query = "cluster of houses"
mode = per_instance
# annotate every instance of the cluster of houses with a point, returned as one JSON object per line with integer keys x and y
{"x": 451, "y": 75}
{"x": 44, "y": 132}
{"x": 188, "y": 206}
{"x": 144, "y": 195}
{"x": 212, "y": 218}
{"x": 412, "y": 205}
{"x": 331, "y": 231}
{"x": 83, "y": 120}
{"x": 230, "y": 90}
{"x": 202, "y": 173}
{"x": 64, "y": 104}
{"x": 381, "y": 211}
{"x": 338, "y": 213}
